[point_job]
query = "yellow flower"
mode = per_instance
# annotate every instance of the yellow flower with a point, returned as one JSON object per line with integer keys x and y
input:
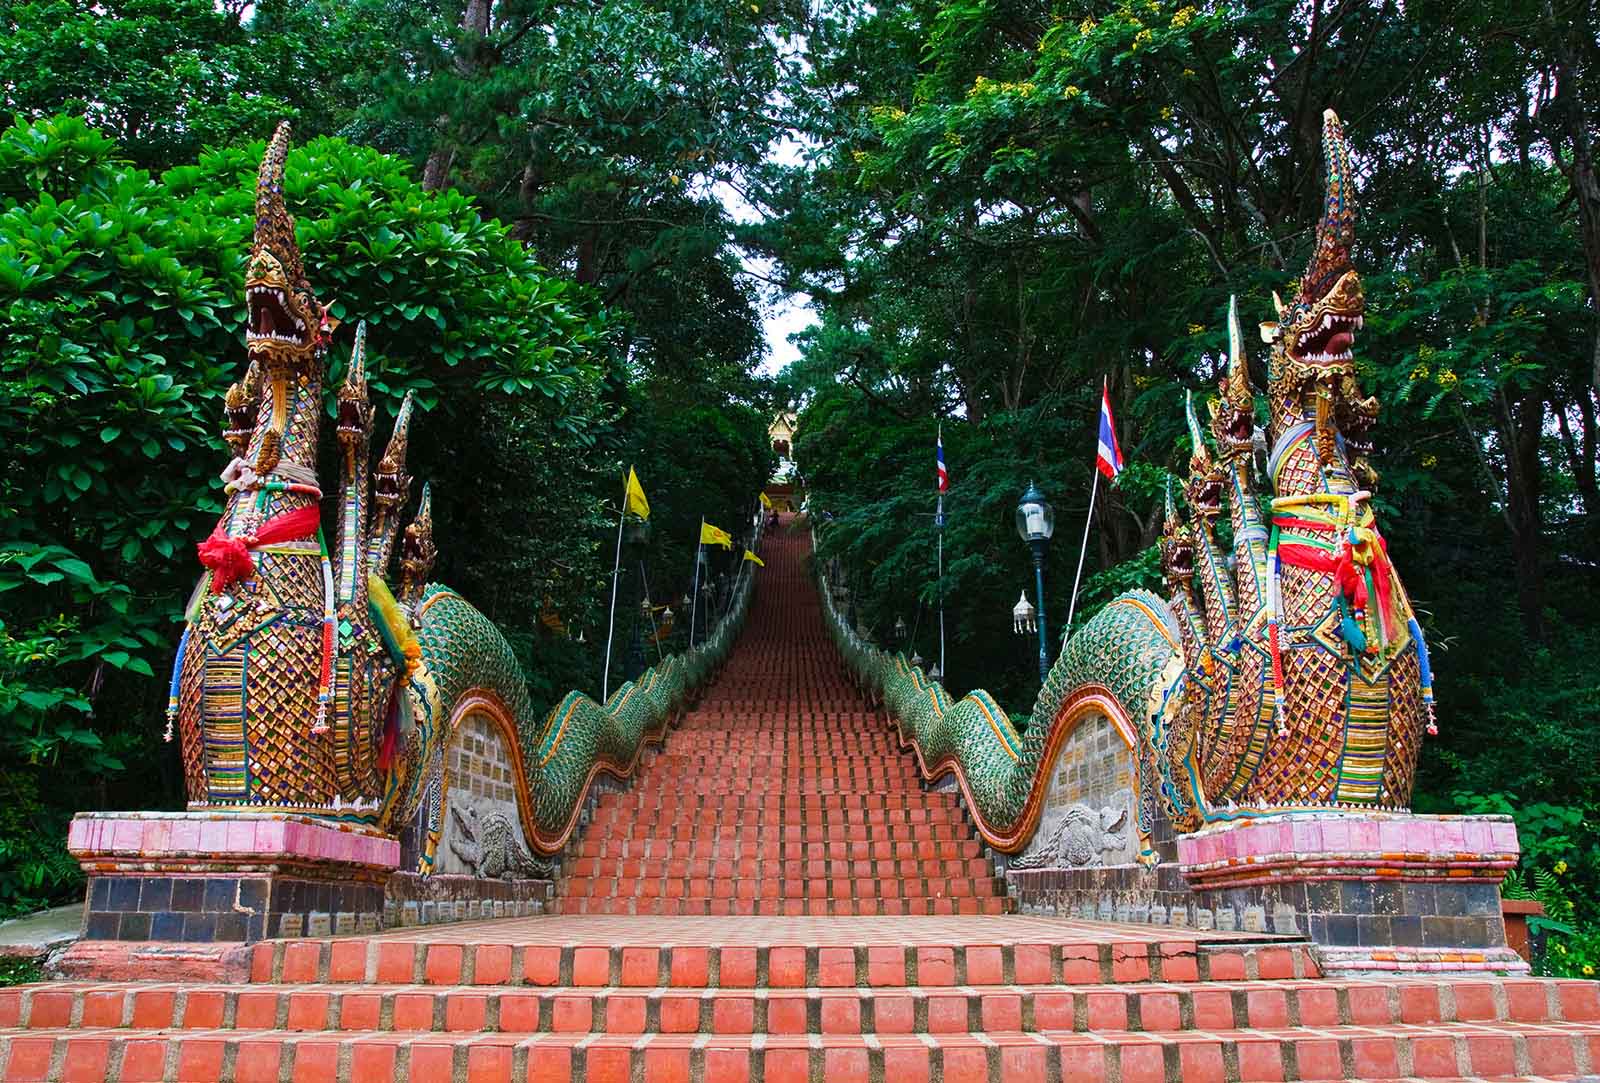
{"x": 1142, "y": 37}
{"x": 1087, "y": 25}
{"x": 1588, "y": 970}
{"x": 1448, "y": 379}
{"x": 1430, "y": 461}
{"x": 1197, "y": 328}
{"x": 1071, "y": 92}
{"x": 1420, "y": 372}
{"x": 1166, "y": 112}
{"x": 1561, "y": 868}
{"x": 1188, "y": 73}
{"x": 1183, "y": 17}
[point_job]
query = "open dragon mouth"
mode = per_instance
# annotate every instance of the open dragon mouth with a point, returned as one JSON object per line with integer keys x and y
{"x": 1331, "y": 340}
{"x": 1179, "y": 562}
{"x": 353, "y": 419}
{"x": 1206, "y": 495}
{"x": 1238, "y": 430}
{"x": 272, "y": 318}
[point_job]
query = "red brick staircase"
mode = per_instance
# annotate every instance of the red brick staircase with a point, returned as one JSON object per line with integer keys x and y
{"x": 781, "y": 793}
{"x": 774, "y": 901}
{"x": 1013, "y": 999}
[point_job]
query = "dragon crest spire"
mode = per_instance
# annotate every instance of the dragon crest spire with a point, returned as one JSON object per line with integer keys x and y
{"x": 1204, "y": 487}
{"x": 1233, "y": 415}
{"x": 354, "y": 425}
{"x": 1336, "y": 230}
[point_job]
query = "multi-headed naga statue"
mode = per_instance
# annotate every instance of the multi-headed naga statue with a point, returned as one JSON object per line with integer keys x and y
{"x": 302, "y": 681}
{"x": 1293, "y": 675}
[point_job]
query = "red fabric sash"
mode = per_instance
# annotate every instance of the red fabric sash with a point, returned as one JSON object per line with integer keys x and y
{"x": 229, "y": 558}
{"x": 1342, "y": 566}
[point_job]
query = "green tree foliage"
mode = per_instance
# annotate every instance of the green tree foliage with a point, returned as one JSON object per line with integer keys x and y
{"x": 163, "y": 78}
{"x": 1006, "y": 203}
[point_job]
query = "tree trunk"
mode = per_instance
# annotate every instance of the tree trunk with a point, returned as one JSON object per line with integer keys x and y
{"x": 1521, "y": 427}
{"x": 474, "y": 29}
{"x": 1580, "y": 449}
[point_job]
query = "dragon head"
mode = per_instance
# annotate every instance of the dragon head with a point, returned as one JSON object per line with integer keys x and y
{"x": 1177, "y": 547}
{"x": 1203, "y": 490}
{"x": 354, "y": 424}
{"x": 391, "y": 485}
{"x": 286, "y": 322}
{"x": 1233, "y": 415}
{"x": 1312, "y": 341}
{"x": 239, "y": 410}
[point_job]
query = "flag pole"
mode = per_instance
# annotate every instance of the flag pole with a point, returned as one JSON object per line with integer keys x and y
{"x": 694, "y": 604}
{"x": 939, "y": 517}
{"x": 611, "y": 622}
{"x": 938, "y": 522}
{"x": 1094, "y": 489}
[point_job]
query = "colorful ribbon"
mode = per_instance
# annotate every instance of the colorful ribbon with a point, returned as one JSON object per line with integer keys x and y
{"x": 229, "y": 558}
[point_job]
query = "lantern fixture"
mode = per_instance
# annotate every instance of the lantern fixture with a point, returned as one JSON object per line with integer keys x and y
{"x": 1036, "y": 519}
{"x": 1023, "y": 616}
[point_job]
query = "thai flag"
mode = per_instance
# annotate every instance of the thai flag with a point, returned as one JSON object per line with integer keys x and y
{"x": 944, "y": 475}
{"x": 1108, "y": 459}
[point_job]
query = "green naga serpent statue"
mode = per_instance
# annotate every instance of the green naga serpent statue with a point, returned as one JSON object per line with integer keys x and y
{"x": 1293, "y": 675}
{"x": 303, "y": 682}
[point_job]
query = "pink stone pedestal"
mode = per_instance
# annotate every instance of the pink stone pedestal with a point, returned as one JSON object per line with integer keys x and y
{"x": 234, "y": 876}
{"x": 1378, "y": 892}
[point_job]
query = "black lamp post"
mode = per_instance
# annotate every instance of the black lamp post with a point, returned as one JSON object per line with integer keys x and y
{"x": 1036, "y": 521}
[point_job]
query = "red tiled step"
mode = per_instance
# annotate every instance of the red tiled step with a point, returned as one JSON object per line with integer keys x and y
{"x": 699, "y": 887}
{"x": 1501, "y": 1052}
{"x": 756, "y": 867}
{"x": 475, "y": 955}
{"x": 789, "y": 907}
{"x": 830, "y": 1004}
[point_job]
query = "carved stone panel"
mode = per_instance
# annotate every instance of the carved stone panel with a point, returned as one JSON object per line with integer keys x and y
{"x": 1089, "y": 816}
{"x": 482, "y": 827}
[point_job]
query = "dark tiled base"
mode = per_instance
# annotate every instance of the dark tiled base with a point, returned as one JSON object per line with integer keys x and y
{"x": 206, "y": 909}
{"x": 1338, "y": 913}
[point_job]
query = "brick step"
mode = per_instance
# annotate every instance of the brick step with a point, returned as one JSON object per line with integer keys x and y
{"x": 740, "y": 887}
{"x": 799, "y": 782}
{"x": 1164, "y": 1009}
{"x": 790, "y": 907}
{"x": 656, "y": 799}
{"x": 1230, "y": 1056}
{"x": 773, "y": 834}
{"x": 811, "y": 823}
{"x": 478, "y": 958}
{"x": 753, "y": 867}
{"x": 780, "y": 759}
{"x": 734, "y": 847}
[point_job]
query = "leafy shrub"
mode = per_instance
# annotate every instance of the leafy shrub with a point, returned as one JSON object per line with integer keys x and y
{"x": 121, "y": 304}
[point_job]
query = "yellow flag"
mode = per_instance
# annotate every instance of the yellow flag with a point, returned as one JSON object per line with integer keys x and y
{"x": 635, "y": 496}
{"x": 711, "y": 535}
{"x": 766, "y": 501}
{"x": 748, "y": 555}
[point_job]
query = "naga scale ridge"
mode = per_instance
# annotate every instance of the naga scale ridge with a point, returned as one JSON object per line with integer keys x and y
{"x": 304, "y": 681}
{"x": 1286, "y": 673}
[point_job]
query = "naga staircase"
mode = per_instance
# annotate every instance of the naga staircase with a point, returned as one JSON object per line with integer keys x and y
{"x": 776, "y": 899}
{"x": 782, "y": 792}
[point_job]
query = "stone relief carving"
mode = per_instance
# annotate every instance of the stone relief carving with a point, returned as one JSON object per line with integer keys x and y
{"x": 1078, "y": 837}
{"x": 488, "y": 843}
